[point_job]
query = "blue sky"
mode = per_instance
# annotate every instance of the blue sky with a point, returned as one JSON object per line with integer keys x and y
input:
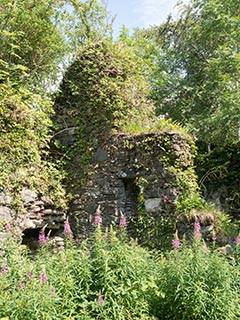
{"x": 141, "y": 13}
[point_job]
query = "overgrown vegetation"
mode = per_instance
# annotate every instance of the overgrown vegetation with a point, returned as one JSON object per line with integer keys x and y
{"x": 193, "y": 69}
{"x": 109, "y": 278}
{"x": 219, "y": 170}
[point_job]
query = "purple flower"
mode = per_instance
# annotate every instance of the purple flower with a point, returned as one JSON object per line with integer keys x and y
{"x": 29, "y": 275}
{"x": 100, "y": 299}
{"x": 42, "y": 239}
{"x": 67, "y": 227}
{"x": 4, "y": 268}
{"x": 98, "y": 220}
{"x": 20, "y": 285}
{"x": 176, "y": 243}
{"x": 197, "y": 230}
{"x": 237, "y": 240}
{"x": 67, "y": 230}
{"x": 43, "y": 277}
{"x": 123, "y": 222}
{"x": 166, "y": 199}
{"x": 214, "y": 237}
{"x": 8, "y": 227}
{"x": 197, "y": 225}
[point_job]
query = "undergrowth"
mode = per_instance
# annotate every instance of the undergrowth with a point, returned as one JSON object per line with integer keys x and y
{"x": 108, "y": 277}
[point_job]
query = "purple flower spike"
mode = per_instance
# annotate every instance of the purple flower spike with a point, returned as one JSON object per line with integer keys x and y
{"x": 214, "y": 237}
{"x": 20, "y": 285}
{"x": 197, "y": 230}
{"x": 8, "y": 227}
{"x": 237, "y": 240}
{"x": 100, "y": 299}
{"x": 42, "y": 239}
{"x": 123, "y": 222}
{"x": 4, "y": 268}
{"x": 98, "y": 218}
{"x": 176, "y": 243}
{"x": 197, "y": 225}
{"x": 67, "y": 227}
{"x": 67, "y": 230}
{"x": 43, "y": 278}
{"x": 29, "y": 275}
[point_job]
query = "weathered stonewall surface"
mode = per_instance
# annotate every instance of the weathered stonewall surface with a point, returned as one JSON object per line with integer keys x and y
{"x": 38, "y": 212}
{"x": 127, "y": 172}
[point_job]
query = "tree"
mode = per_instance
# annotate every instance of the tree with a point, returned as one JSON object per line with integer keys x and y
{"x": 30, "y": 40}
{"x": 87, "y": 21}
{"x": 196, "y": 71}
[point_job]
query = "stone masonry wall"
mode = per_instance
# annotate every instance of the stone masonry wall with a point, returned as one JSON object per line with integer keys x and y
{"x": 128, "y": 171}
{"x": 38, "y": 211}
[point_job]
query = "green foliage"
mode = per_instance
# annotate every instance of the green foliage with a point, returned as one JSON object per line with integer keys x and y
{"x": 104, "y": 88}
{"x": 144, "y": 125}
{"x": 107, "y": 278}
{"x": 30, "y": 40}
{"x": 25, "y": 134}
{"x": 101, "y": 92}
{"x": 197, "y": 284}
{"x": 195, "y": 69}
{"x": 85, "y": 22}
{"x": 218, "y": 170}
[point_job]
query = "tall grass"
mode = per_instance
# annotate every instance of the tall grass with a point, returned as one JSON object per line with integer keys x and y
{"x": 107, "y": 277}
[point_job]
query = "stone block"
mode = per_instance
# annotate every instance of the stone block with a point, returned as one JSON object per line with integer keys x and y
{"x": 28, "y": 196}
{"x": 153, "y": 205}
{"x": 5, "y": 214}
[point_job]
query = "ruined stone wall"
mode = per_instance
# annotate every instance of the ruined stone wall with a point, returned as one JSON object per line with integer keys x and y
{"x": 37, "y": 212}
{"x": 130, "y": 173}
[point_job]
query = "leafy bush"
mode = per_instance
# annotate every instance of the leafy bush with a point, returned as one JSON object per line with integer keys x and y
{"x": 197, "y": 284}
{"x": 24, "y": 144}
{"x": 105, "y": 279}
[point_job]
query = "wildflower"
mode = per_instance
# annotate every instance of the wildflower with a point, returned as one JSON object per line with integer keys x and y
{"x": 43, "y": 277}
{"x": 176, "y": 243}
{"x": 197, "y": 225}
{"x": 197, "y": 230}
{"x": 4, "y": 268}
{"x": 67, "y": 227}
{"x": 8, "y": 227}
{"x": 100, "y": 299}
{"x": 29, "y": 275}
{"x": 123, "y": 221}
{"x": 237, "y": 240}
{"x": 214, "y": 237}
{"x": 67, "y": 230}
{"x": 98, "y": 220}
{"x": 20, "y": 285}
{"x": 42, "y": 239}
